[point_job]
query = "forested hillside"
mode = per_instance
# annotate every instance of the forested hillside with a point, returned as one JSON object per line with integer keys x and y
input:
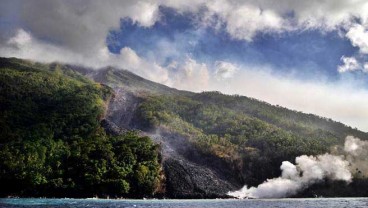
{"x": 253, "y": 137}
{"x": 52, "y": 143}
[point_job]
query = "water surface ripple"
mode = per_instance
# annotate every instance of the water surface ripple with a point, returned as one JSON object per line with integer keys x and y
{"x": 220, "y": 203}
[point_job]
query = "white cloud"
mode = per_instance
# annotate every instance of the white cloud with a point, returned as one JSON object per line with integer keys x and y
{"x": 21, "y": 38}
{"x": 349, "y": 64}
{"x": 24, "y": 45}
{"x": 243, "y": 21}
{"x": 144, "y": 13}
{"x": 326, "y": 15}
{"x": 86, "y": 23}
{"x": 129, "y": 56}
{"x": 245, "y": 18}
{"x": 191, "y": 75}
{"x": 224, "y": 70}
{"x": 365, "y": 67}
{"x": 130, "y": 60}
{"x": 81, "y": 26}
{"x": 358, "y": 35}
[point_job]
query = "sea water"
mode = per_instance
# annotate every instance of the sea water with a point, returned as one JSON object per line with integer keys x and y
{"x": 213, "y": 203}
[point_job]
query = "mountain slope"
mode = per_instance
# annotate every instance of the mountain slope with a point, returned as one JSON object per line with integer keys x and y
{"x": 210, "y": 143}
{"x": 52, "y": 143}
{"x": 236, "y": 139}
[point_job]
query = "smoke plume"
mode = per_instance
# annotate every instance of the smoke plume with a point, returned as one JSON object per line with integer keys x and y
{"x": 309, "y": 170}
{"x": 357, "y": 154}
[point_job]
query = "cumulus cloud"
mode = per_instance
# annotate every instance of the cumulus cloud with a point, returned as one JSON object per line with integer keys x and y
{"x": 358, "y": 36}
{"x": 246, "y": 18}
{"x": 224, "y": 70}
{"x": 349, "y": 64}
{"x": 191, "y": 75}
{"x": 21, "y": 38}
{"x": 243, "y": 21}
{"x": 24, "y": 45}
{"x": 81, "y": 25}
{"x": 130, "y": 60}
{"x": 75, "y": 32}
{"x": 69, "y": 23}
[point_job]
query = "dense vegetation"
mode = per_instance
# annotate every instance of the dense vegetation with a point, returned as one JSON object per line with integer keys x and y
{"x": 251, "y": 136}
{"x": 52, "y": 143}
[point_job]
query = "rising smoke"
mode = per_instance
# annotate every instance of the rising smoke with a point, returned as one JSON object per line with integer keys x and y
{"x": 357, "y": 154}
{"x": 309, "y": 170}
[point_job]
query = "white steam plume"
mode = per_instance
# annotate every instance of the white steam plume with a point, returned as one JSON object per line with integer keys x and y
{"x": 309, "y": 170}
{"x": 357, "y": 155}
{"x": 355, "y": 146}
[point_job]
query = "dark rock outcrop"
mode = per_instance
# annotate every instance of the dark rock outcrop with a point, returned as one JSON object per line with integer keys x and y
{"x": 188, "y": 180}
{"x": 189, "y": 173}
{"x": 111, "y": 128}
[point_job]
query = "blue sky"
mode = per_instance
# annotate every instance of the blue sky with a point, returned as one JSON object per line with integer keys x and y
{"x": 310, "y": 56}
{"x": 307, "y": 55}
